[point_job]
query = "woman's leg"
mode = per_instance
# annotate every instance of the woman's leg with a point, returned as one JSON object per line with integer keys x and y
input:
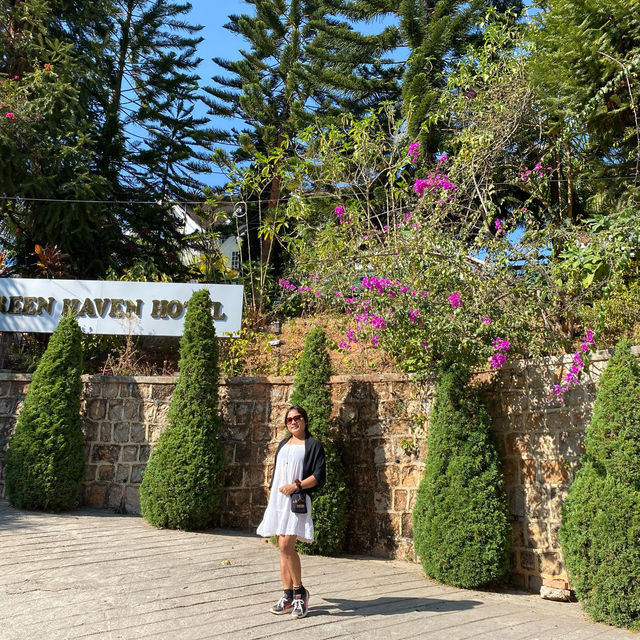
{"x": 290, "y": 569}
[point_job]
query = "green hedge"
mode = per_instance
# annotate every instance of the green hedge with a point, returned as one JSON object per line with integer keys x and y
{"x": 311, "y": 391}
{"x": 182, "y": 484}
{"x": 45, "y": 460}
{"x": 600, "y": 532}
{"x": 461, "y": 522}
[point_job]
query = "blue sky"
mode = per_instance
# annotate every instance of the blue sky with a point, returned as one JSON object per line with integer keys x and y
{"x": 218, "y": 42}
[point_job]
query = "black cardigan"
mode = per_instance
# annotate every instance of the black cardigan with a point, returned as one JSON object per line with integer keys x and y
{"x": 313, "y": 464}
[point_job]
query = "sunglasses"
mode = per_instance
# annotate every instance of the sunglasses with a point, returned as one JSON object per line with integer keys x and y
{"x": 292, "y": 419}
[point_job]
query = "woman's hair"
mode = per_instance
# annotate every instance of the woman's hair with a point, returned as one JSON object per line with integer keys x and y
{"x": 302, "y": 412}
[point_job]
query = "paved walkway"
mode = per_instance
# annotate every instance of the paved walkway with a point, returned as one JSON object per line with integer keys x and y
{"x": 95, "y": 574}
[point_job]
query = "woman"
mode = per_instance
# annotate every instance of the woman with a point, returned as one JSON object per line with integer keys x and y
{"x": 299, "y": 466}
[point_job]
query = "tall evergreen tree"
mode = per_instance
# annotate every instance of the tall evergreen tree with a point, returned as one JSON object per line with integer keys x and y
{"x": 311, "y": 391}
{"x": 109, "y": 87}
{"x": 301, "y": 64}
{"x": 437, "y": 33}
{"x": 182, "y": 483}
{"x": 45, "y": 459}
{"x": 600, "y": 532}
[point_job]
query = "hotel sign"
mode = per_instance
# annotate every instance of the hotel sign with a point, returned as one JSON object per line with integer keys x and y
{"x": 112, "y": 307}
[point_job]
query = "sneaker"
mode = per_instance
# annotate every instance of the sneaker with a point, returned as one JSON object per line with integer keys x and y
{"x": 300, "y": 605}
{"x": 282, "y": 606}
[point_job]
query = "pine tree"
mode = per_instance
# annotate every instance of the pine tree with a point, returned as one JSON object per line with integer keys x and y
{"x": 600, "y": 532}
{"x": 437, "y": 33}
{"x": 182, "y": 483}
{"x": 311, "y": 392}
{"x": 461, "y": 519}
{"x": 45, "y": 460}
{"x": 301, "y": 64}
{"x": 104, "y": 116}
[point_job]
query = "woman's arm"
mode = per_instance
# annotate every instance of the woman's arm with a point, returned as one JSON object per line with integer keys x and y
{"x": 307, "y": 483}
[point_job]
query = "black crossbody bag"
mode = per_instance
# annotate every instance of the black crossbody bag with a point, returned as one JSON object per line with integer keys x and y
{"x": 298, "y": 502}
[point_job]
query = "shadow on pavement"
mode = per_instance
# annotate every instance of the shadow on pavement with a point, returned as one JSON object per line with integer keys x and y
{"x": 387, "y": 606}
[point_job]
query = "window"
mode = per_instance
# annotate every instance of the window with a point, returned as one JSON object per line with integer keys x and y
{"x": 235, "y": 260}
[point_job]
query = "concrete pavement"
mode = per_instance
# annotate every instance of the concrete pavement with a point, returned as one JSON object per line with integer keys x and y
{"x": 96, "y": 574}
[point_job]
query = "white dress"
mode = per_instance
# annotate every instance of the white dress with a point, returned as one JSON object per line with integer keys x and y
{"x": 278, "y": 519}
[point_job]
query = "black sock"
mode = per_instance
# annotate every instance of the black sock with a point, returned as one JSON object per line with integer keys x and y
{"x": 288, "y": 594}
{"x": 299, "y": 591}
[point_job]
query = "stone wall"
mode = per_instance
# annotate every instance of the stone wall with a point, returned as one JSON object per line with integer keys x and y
{"x": 382, "y": 420}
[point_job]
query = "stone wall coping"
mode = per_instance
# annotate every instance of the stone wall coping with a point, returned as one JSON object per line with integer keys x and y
{"x": 550, "y": 361}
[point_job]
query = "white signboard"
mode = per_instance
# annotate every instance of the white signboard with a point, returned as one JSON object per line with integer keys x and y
{"x": 112, "y": 307}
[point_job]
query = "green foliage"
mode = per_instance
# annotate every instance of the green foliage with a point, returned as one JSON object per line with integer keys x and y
{"x": 311, "y": 391}
{"x": 600, "y": 532}
{"x": 182, "y": 483}
{"x": 461, "y": 519}
{"x": 45, "y": 460}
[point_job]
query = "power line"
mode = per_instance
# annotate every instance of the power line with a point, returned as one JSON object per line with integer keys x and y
{"x": 236, "y": 200}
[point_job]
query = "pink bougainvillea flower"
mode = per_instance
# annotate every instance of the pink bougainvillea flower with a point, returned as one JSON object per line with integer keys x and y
{"x": 498, "y": 224}
{"x": 11, "y": 115}
{"x": 47, "y": 66}
{"x": 487, "y": 320}
{"x": 414, "y": 150}
{"x": 443, "y": 157}
{"x": 455, "y": 300}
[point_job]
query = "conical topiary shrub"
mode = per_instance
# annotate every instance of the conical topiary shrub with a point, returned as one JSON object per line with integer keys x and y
{"x": 311, "y": 391}
{"x": 182, "y": 483}
{"x": 45, "y": 460}
{"x": 461, "y": 527}
{"x": 600, "y": 532}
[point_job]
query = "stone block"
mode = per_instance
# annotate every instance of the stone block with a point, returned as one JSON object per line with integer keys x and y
{"x": 407, "y": 525}
{"x": 105, "y": 453}
{"x": 105, "y": 472}
{"x": 96, "y": 408}
{"x": 7, "y": 406}
{"x": 105, "y": 432}
{"x": 517, "y": 536}
{"x": 537, "y": 502}
{"x": 145, "y": 452}
{"x": 162, "y": 392}
{"x": 133, "y": 410}
{"x": 132, "y": 500}
{"x": 95, "y": 496}
{"x": 136, "y": 473}
{"x": 570, "y": 444}
{"x": 138, "y": 433}
{"x": 238, "y": 497}
{"x": 123, "y": 473}
{"x": 557, "y": 595}
{"x": 551, "y": 564}
{"x": 149, "y": 411}
{"x": 528, "y": 560}
{"x": 115, "y": 410}
{"x": 553, "y": 472}
{"x": 153, "y": 432}
{"x": 382, "y": 500}
{"x": 399, "y": 500}
{"x": 410, "y": 476}
{"x": 19, "y": 388}
{"x": 115, "y": 495}
{"x": 259, "y": 497}
{"x": 510, "y": 471}
{"x": 529, "y": 471}
{"x": 91, "y": 430}
{"x": 121, "y": 432}
{"x": 90, "y": 472}
{"x": 537, "y": 534}
{"x": 234, "y": 476}
{"x": 129, "y": 454}
{"x": 534, "y": 583}
{"x": 109, "y": 389}
{"x": 5, "y": 388}
{"x": 517, "y": 501}
{"x": 554, "y": 583}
